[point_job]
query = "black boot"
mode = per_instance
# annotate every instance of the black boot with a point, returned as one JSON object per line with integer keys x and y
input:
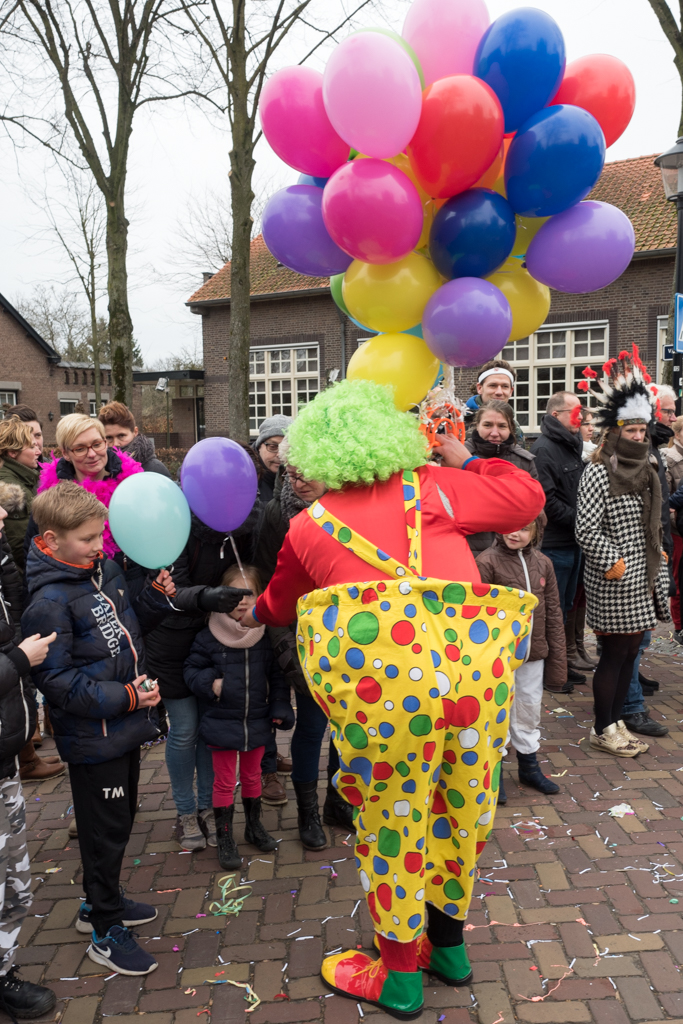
{"x": 530, "y": 774}
{"x": 502, "y": 795}
{"x": 310, "y": 829}
{"x": 228, "y": 854}
{"x": 19, "y": 998}
{"x": 254, "y": 832}
{"x": 336, "y": 811}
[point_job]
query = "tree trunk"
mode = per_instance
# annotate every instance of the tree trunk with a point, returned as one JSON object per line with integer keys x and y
{"x": 241, "y": 175}
{"x": 120, "y": 323}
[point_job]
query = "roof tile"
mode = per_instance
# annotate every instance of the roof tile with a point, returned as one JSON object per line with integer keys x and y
{"x": 633, "y": 185}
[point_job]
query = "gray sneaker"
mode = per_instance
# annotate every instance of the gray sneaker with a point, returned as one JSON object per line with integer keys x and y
{"x": 192, "y": 837}
{"x": 207, "y": 823}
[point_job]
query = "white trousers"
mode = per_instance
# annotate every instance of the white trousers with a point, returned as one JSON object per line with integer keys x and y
{"x": 525, "y": 714}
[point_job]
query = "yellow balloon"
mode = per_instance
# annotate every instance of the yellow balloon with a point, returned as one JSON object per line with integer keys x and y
{"x": 390, "y": 297}
{"x": 526, "y": 230}
{"x": 529, "y": 299}
{"x": 401, "y": 360}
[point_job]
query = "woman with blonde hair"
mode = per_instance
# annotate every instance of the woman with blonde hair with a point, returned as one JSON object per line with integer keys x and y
{"x": 19, "y": 469}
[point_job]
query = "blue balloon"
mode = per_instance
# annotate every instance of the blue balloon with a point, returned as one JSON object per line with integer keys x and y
{"x": 522, "y": 57}
{"x": 149, "y": 518}
{"x": 554, "y": 161}
{"x": 472, "y": 234}
{"x": 308, "y": 179}
{"x": 415, "y": 331}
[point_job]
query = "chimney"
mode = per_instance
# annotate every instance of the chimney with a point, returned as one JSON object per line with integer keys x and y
{"x": 207, "y": 275}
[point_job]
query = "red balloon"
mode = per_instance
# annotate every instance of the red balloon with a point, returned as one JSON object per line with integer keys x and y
{"x": 458, "y": 137}
{"x": 603, "y": 86}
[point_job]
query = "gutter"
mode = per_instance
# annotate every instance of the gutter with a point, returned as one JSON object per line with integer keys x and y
{"x": 268, "y": 297}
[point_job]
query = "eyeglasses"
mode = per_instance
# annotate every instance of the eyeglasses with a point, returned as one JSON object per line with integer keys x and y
{"x": 272, "y": 447}
{"x": 83, "y": 449}
{"x": 295, "y": 478}
{"x": 671, "y": 413}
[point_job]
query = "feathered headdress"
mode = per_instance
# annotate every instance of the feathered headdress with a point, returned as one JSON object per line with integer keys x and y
{"x": 625, "y": 395}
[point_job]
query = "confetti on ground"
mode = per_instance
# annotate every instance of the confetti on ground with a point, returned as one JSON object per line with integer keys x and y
{"x": 229, "y": 904}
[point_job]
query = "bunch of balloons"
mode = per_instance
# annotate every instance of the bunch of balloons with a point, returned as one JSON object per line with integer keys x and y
{"x": 443, "y": 179}
{"x": 149, "y": 515}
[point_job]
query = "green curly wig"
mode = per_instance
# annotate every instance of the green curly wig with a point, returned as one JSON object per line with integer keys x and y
{"x": 352, "y": 433}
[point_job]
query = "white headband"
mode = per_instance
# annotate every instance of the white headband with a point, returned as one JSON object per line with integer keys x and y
{"x": 495, "y": 369}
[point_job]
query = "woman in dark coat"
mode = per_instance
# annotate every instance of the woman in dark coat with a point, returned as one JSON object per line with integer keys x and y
{"x": 493, "y": 437}
{"x": 122, "y": 433}
{"x": 19, "y": 468}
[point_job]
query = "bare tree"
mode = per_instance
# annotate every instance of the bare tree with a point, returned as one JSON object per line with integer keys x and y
{"x": 58, "y": 317}
{"x": 240, "y": 50}
{"x": 674, "y": 34}
{"x": 86, "y": 67}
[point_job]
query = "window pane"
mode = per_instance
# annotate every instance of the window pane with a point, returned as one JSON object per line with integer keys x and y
{"x": 597, "y": 348}
{"x": 509, "y": 353}
{"x": 257, "y": 404}
{"x": 257, "y": 363}
{"x": 597, "y": 333}
{"x": 281, "y": 361}
{"x": 66, "y": 408}
{"x": 281, "y": 398}
{"x": 559, "y": 351}
{"x": 581, "y": 335}
{"x": 558, "y": 337}
{"x": 543, "y": 346}
{"x": 7, "y": 398}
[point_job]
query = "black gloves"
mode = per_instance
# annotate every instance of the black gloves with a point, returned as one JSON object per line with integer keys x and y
{"x": 220, "y": 599}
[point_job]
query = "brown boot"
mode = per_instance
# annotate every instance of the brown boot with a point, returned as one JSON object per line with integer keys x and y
{"x": 272, "y": 790}
{"x": 47, "y": 724}
{"x": 284, "y": 764}
{"x": 37, "y": 738}
{"x": 585, "y": 660}
{"x": 33, "y": 768}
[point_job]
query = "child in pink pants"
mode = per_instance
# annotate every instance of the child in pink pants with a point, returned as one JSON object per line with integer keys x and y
{"x": 243, "y": 696}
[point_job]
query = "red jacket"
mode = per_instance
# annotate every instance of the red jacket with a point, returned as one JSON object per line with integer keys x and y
{"x": 488, "y": 495}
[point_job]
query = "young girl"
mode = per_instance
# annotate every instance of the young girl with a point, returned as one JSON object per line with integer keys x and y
{"x": 515, "y": 561}
{"x": 243, "y": 695}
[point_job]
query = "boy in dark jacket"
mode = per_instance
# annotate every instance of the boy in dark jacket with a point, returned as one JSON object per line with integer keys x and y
{"x": 242, "y": 694}
{"x": 18, "y": 998}
{"x": 100, "y": 713}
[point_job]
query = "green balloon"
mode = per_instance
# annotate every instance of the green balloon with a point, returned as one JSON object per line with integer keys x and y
{"x": 336, "y": 289}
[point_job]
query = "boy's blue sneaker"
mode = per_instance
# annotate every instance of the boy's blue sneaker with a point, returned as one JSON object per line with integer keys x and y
{"x": 118, "y": 951}
{"x": 134, "y": 914}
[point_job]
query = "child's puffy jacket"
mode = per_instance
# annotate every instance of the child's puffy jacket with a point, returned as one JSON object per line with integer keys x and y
{"x": 254, "y": 692}
{"x": 88, "y": 674}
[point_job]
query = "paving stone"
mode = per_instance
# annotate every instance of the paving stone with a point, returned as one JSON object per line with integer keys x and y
{"x": 81, "y": 1011}
{"x": 493, "y": 1003}
{"x": 521, "y": 980}
{"x": 551, "y": 959}
{"x": 553, "y": 1013}
{"x": 638, "y": 999}
{"x": 662, "y": 972}
{"x": 121, "y": 995}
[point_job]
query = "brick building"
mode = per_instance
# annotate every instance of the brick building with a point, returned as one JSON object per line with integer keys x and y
{"x": 33, "y": 373}
{"x": 299, "y": 337}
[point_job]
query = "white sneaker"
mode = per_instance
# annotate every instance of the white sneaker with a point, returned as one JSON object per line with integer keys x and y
{"x": 641, "y": 744}
{"x": 612, "y": 742}
{"x": 192, "y": 837}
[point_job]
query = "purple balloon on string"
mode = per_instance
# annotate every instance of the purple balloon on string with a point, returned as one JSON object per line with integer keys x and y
{"x": 294, "y": 231}
{"x": 467, "y": 321}
{"x": 583, "y": 249}
{"x": 218, "y": 478}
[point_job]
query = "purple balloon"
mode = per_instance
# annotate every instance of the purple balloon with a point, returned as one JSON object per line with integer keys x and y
{"x": 294, "y": 231}
{"x": 583, "y": 249}
{"x": 218, "y": 479}
{"x": 467, "y": 321}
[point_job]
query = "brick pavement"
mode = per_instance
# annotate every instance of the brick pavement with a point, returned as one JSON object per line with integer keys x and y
{"x": 575, "y": 918}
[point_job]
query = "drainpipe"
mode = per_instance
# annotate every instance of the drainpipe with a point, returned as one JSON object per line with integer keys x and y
{"x": 342, "y": 338}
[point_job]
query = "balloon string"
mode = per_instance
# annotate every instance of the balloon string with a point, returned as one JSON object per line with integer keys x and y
{"x": 239, "y": 564}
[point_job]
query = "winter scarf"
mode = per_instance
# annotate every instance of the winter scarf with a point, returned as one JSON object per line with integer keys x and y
{"x": 231, "y": 633}
{"x": 119, "y": 467}
{"x": 631, "y": 472}
{"x": 290, "y": 504}
{"x": 141, "y": 448}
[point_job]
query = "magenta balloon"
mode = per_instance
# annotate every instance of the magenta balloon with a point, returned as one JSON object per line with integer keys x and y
{"x": 372, "y": 94}
{"x": 467, "y": 321}
{"x": 218, "y": 478}
{"x": 583, "y": 249}
{"x": 296, "y": 125}
{"x": 373, "y": 211}
{"x": 445, "y": 35}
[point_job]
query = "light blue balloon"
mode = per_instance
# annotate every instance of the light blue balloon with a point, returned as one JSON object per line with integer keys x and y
{"x": 362, "y": 326}
{"x": 415, "y": 331}
{"x": 150, "y": 519}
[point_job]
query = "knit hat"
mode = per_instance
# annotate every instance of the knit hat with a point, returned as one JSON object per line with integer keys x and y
{"x": 274, "y": 427}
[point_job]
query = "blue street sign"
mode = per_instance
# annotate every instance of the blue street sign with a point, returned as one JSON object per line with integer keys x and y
{"x": 678, "y": 324}
{"x": 668, "y": 353}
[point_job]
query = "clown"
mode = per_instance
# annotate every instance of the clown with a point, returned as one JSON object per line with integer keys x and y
{"x": 412, "y": 659}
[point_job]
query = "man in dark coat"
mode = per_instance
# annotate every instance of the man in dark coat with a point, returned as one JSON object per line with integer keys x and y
{"x": 559, "y": 464}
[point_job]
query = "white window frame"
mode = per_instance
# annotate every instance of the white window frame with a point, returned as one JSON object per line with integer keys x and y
{"x": 5, "y": 396}
{"x": 293, "y": 377}
{"x": 662, "y": 325}
{"x": 570, "y": 363}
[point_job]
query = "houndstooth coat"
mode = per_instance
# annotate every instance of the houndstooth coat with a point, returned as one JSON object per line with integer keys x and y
{"x": 609, "y": 528}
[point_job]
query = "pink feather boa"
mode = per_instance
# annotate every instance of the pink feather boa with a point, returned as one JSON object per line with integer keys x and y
{"x": 102, "y": 489}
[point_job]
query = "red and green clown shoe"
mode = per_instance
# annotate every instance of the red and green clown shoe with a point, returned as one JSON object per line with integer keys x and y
{"x": 447, "y": 963}
{"x": 358, "y": 976}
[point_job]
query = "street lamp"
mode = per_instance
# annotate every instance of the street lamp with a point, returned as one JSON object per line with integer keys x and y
{"x": 671, "y": 166}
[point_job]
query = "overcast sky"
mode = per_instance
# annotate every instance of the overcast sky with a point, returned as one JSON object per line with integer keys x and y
{"x": 177, "y": 154}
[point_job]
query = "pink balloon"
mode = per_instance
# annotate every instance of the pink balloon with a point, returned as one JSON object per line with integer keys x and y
{"x": 296, "y": 125}
{"x": 372, "y": 94}
{"x": 445, "y": 35}
{"x": 373, "y": 211}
